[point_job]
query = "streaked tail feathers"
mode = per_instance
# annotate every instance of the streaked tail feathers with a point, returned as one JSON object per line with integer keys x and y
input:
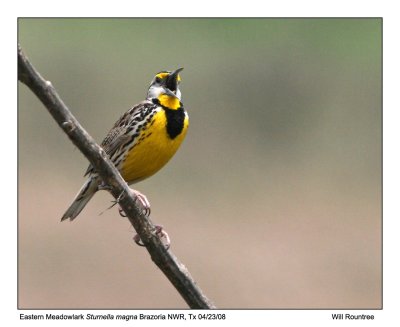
{"x": 81, "y": 199}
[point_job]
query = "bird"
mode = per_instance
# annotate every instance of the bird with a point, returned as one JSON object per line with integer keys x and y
{"x": 142, "y": 141}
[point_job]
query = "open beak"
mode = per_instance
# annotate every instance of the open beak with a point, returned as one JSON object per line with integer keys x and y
{"x": 172, "y": 80}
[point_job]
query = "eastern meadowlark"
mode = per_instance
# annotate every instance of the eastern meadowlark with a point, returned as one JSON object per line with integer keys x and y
{"x": 143, "y": 140}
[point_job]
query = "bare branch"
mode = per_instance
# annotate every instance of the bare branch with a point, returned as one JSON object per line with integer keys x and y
{"x": 175, "y": 271}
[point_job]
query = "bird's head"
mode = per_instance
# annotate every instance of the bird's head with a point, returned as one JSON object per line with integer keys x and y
{"x": 165, "y": 83}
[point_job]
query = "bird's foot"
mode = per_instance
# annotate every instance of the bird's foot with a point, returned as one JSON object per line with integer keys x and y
{"x": 160, "y": 232}
{"x": 142, "y": 199}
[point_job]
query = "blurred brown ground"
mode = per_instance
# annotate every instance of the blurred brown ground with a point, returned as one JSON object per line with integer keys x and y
{"x": 274, "y": 199}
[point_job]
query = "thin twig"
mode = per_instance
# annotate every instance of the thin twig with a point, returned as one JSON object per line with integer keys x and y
{"x": 175, "y": 271}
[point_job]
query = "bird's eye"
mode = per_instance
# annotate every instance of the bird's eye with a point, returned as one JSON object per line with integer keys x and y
{"x": 158, "y": 79}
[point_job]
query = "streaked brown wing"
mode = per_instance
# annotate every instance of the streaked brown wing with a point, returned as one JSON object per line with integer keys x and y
{"x": 118, "y": 135}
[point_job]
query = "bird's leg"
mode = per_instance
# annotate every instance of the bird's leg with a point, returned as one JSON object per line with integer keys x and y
{"x": 160, "y": 232}
{"x": 142, "y": 199}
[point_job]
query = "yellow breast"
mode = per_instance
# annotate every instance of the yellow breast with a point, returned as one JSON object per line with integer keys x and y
{"x": 152, "y": 149}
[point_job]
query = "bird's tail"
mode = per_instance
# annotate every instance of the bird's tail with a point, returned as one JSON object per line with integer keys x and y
{"x": 81, "y": 199}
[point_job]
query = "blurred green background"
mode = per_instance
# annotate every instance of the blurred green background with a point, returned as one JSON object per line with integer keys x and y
{"x": 273, "y": 200}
